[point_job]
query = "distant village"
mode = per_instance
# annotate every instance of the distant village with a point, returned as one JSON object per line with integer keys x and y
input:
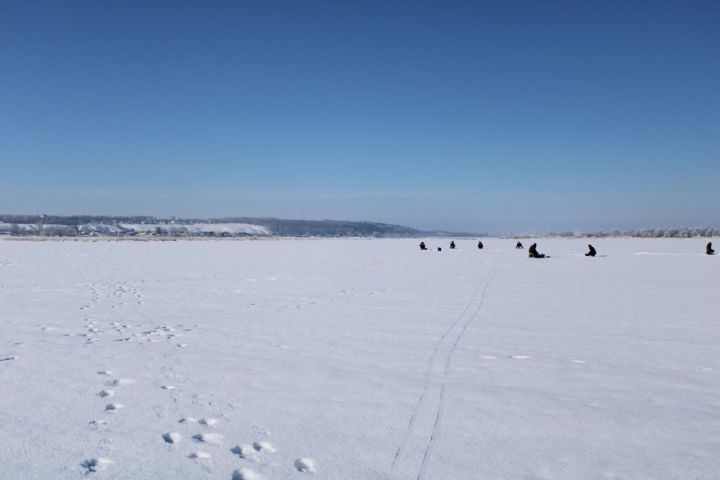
{"x": 150, "y": 227}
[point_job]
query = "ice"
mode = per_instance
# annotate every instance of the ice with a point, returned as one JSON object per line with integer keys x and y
{"x": 360, "y": 359}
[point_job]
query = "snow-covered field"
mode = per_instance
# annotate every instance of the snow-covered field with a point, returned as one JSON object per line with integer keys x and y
{"x": 359, "y": 359}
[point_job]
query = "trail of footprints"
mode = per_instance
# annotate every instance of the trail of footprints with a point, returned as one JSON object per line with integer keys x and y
{"x": 136, "y": 333}
{"x": 207, "y": 436}
{"x": 96, "y": 464}
{"x": 253, "y": 453}
{"x": 203, "y": 432}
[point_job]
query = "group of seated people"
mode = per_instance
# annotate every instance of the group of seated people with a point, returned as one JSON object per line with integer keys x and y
{"x": 533, "y": 253}
{"x": 452, "y": 246}
{"x": 424, "y": 247}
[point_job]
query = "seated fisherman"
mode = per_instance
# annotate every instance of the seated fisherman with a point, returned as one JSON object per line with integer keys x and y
{"x": 533, "y": 253}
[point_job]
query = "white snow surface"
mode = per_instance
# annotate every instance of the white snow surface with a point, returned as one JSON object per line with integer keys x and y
{"x": 369, "y": 359}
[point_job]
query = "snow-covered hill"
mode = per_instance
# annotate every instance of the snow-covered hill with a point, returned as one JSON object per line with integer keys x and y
{"x": 198, "y": 228}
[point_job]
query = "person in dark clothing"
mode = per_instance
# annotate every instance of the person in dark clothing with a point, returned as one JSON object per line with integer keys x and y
{"x": 519, "y": 245}
{"x": 422, "y": 246}
{"x": 452, "y": 245}
{"x": 709, "y": 250}
{"x": 480, "y": 245}
{"x": 591, "y": 251}
{"x": 533, "y": 253}
{"x": 439, "y": 249}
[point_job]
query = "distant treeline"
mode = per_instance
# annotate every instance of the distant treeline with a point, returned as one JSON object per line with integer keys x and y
{"x": 695, "y": 232}
{"x": 334, "y": 228}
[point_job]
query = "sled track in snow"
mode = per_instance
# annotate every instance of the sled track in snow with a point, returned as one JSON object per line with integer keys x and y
{"x": 448, "y": 362}
{"x": 428, "y": 375}
{"x": 402, "y": 448}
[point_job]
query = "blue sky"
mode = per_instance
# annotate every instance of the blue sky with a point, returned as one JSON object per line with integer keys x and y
{"x": 474, "y": 116}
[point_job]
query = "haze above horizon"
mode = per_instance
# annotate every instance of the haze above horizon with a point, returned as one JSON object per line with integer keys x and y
{"x": 464, "y": 116}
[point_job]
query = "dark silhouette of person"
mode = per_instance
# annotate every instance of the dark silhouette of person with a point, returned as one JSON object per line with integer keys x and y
{"x": 708, "y": 249}
{"x": 519, "y": 245}
{"x": 533, "y": 253}
{"x": 591, "y": 251}
{"x": 452, "y": 245}
{"x": 439, "y": 249}
{"x": 422, "y": 246}
{"x": 480, "y": 245}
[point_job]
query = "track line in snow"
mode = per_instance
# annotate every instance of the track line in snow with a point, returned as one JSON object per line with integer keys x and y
{"x": 428, "y": 376}
{"x": 432, "y": 372}
{"x": 427, "y": 456}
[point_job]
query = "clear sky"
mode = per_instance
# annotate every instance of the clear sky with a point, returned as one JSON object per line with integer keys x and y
{"x": 475, "y": 116}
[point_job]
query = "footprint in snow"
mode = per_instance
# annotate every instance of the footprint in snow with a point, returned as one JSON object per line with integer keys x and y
{"x": 244, "y": 474}
{"x": 199, "y": 456}
{"x": 264, "y": 447}
{"x": 305, "y": 465}
{"x": 208, "y": 438}
{"x": 172, "y": 437}
{"x": 121, "y": 382}
{"x": 245, "y": 451}
{"x": 113, "y": 407}
{"x": 209, "y": 422}
{"x": 97, "y": 423}
{"x": 93, "y": 465}
{"x": 106, "y": 393}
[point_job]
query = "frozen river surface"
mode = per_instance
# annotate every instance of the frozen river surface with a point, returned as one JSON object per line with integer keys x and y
{"x": 359, "y": 359}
